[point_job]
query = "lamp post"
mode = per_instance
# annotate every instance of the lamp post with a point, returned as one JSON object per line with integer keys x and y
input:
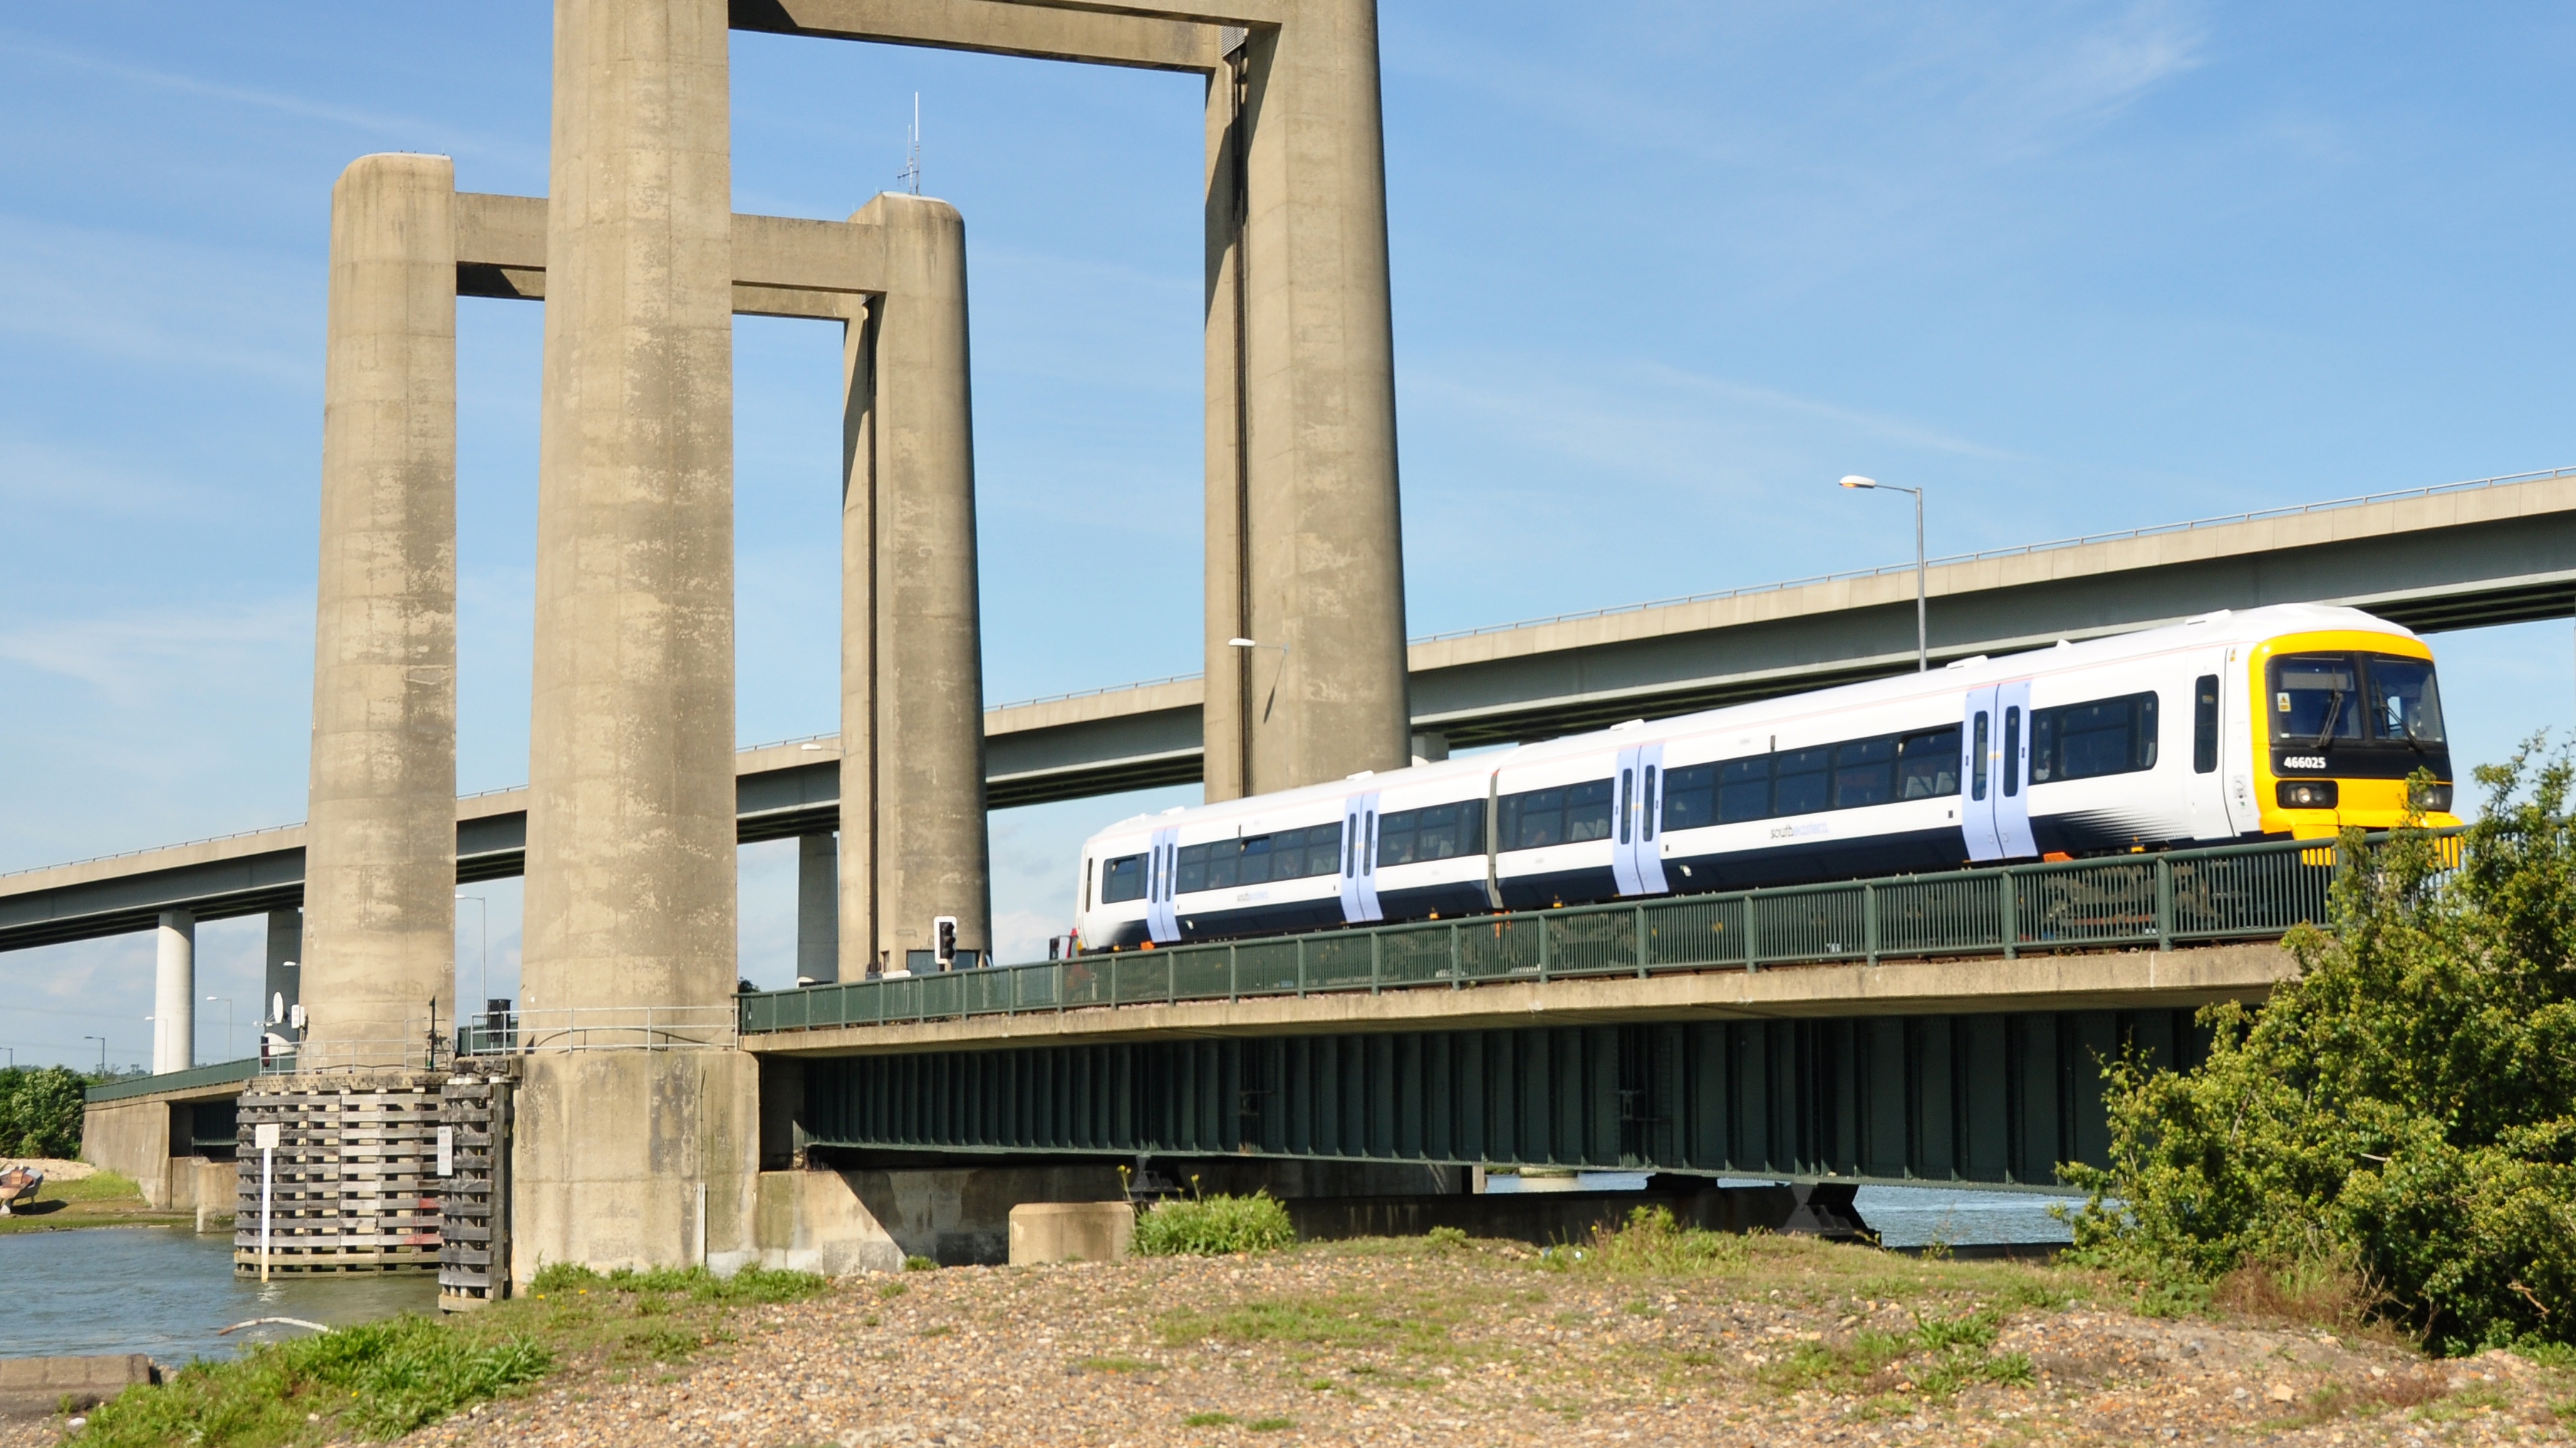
{"x": 228, "y": 1021}
{"x": 1922, "y": 639}
{"x": 102, "y": 1052}
{"x": 1274, "y": 688}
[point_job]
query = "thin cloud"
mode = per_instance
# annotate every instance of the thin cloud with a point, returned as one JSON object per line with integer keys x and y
{"x": 135, "y": 658}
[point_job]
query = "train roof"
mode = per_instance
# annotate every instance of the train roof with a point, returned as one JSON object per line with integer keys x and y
{"x": 2239, "y": 627}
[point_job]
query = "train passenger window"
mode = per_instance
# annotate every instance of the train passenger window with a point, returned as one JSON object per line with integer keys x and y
{"x": 1927, "y": 764}
{"x": 2012, "y": 751}
{"x": 1323, "y": 849}
{"x": 1863, "y": 772}
{"x": 2086, "y": 741}
{"x": 1801, "y": 781}
{"x": 1587, "y": 811}
{"x": 1744, "y": 790}
{"x": 1534, "y": 819}
{"x": 1977, "y": 785}
{"x": 1086, "y": 886}
{"x": 1690, "y": 797}
{"x": 1191, "y": 877}
{"x": 1255, "y": 866}
{"x": 1438, "y": 832}
{"x": 2405, "y": 707}
{"x": 1122, "y": 879}
{"x": 2204, "y": 725}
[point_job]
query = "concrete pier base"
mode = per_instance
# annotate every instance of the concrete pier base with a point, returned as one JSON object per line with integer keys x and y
{"x": 612, "y": 1149}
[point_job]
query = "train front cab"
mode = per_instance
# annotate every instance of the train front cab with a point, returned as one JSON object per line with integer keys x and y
{"x": 2339, "y": 720}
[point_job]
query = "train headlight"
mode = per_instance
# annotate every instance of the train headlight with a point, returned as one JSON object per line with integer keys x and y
{"x": 2306, "y": 793}
{"x": 2433, "y": 799}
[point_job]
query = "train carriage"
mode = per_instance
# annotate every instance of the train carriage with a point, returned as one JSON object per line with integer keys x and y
{"x": 2288, "y": 721}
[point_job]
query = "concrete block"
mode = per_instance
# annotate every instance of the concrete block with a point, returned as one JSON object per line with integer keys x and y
{"x": 812, "y": 1221}
{"x": 35, "y": 1387}
{"x": 1071, "y": 1232}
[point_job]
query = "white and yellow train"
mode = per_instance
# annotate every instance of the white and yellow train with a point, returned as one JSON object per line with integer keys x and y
{"x": 2289, "y": 721}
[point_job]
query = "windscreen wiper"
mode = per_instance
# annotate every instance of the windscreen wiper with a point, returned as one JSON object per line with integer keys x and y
{"x": 2334, "y": 712}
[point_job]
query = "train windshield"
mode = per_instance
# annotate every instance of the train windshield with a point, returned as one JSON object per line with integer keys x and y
{"x": 2321, "y": 699}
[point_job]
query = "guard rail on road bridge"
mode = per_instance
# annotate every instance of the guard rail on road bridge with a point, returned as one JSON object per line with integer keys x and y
{"x": 2182, "y": 897}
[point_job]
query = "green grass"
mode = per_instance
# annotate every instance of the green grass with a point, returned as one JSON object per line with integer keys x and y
{"x": 378, "y": 1381}
{"x": 1207, "y": 1420}
{"x": 382, "y": 1380}
{"x": 1651, "y": 1244}
{"x": 1270, "y": 1425}
{"x": 1214, "y": 1226}
{"x": 1116, "y": 1363}
{"x": 1935, "y": 1359}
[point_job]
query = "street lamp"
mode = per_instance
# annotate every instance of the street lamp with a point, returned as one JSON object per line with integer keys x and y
{"x": 1922, "y": 640}
{"x": 1274, "y": 681}
{"x": 228, "y": 1021}
{"x": 102, "y": 1052}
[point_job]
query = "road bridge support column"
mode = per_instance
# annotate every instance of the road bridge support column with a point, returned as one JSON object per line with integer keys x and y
{"x": 1305, "y": 551}
{"x": 380, "y": 857}
{"x": 913, "y": 839}
{"x": 627, "y": 1155}
{"x": 174, "y": 992}
{"x": 818, "y": 910}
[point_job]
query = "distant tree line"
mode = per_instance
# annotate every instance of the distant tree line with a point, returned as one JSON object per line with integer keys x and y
{"x": 40, "y": 1111}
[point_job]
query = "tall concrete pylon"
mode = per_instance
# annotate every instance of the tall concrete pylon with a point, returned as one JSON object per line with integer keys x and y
{"x": 380, "y": 853}
{"x": 914, "y": 846}
{"x": 1305, "y": 551}
{"x": 638, "y": 1157}
{"x": 174, "y": 992}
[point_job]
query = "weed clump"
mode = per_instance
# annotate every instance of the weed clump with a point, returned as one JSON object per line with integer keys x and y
{"x": 1214, "y": 1226}
{"x": 751, "y": 1285}
{"x": 379, "y": 1381}
{"x": 1934, "y": 1360}
{"x": 1650, "y": 1244}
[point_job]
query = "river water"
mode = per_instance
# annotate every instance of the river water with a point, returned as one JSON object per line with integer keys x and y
{"x": 1902, "y": 1216}
{"x": 166, "y": 1291}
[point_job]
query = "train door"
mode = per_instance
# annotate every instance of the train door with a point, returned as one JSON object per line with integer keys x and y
{"x": 1979, "y": 738}
{"x": 2241, "y": 722}
{"x": 2012, "y": 794}
{"x": 1359, "y": 859}
{"x": 1994, "y": 766}
{"x": 1635, "y": 857}
{"x": 2205, "y": 787}
{"x": 1162, "y": 922}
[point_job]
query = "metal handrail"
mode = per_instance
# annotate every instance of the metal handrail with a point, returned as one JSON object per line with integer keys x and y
{"x": 2153, "y": 901}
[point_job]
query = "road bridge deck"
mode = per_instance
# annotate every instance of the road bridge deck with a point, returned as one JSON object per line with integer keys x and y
{"x": 2464, "y": 555}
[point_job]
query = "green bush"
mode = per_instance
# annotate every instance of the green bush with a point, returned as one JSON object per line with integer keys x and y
{"x": 1214, "y": 1226}
{"x": 40, "y": 1111}
{"x": 1651, "y": 1243}
{"x": 380, "y": 1381}
{"x": 2403, "y": 1114}
{"x": 751, "y": 1284}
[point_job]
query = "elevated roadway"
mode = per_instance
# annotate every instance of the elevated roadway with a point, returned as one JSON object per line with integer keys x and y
{"x": 2466, "y": 555}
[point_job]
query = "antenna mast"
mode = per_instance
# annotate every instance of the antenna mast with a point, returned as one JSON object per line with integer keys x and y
{"x": 910, "y": 175}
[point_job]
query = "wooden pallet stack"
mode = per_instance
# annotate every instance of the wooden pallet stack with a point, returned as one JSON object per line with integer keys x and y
{"x": 354, "y": 1186}
{"x": 474, "y": 1230}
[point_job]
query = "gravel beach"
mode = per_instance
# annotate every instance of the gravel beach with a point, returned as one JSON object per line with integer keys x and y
{"x": 1484, "y": 1343}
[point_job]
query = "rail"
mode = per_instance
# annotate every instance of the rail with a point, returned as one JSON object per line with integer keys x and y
{"x": 2181, "y": 897}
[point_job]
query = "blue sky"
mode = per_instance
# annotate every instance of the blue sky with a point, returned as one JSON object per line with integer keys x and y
{"x": 2070, "y": 267}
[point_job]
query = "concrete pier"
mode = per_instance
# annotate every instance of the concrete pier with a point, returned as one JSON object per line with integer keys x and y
{"x": 1305, "y": 549}
{"x": 818, "y": 910}
{"x": 174, "y": 992}
{"x": 380, "y": 857}
{"x": 630, "y": 861}
{"x": 912, "y": 764}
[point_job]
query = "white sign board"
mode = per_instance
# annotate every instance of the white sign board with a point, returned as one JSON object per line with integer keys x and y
{"x": 264, "y": 1136}
{"x": 447, "y": 1151}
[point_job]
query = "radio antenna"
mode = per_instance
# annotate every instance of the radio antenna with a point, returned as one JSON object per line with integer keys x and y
{"x": 910, "y": 175}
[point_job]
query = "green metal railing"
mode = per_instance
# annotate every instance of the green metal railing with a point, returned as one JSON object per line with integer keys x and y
{"x": 2195, "y": 897}
{"x": 221, "y": 1073}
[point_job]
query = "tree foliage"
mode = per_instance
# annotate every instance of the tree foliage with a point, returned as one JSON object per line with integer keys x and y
{"x": 40, "y": 1111}
{"x": 2405, "y": 1110}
